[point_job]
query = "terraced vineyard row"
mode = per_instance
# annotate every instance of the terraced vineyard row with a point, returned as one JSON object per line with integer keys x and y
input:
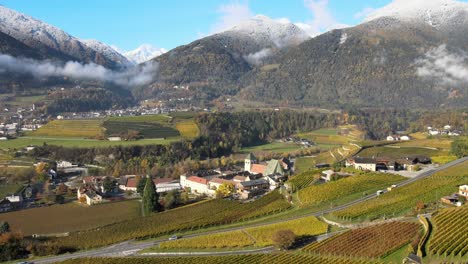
{"x": 318, "y": 194}
{"x": 450, "y": 234}
{"x": 375, "y": 241}
{"x": 71, "y": 128}
{"x": 404, "y": 199}
{"x": 303, "y": 180}
{"x": 256, "y": 236}
{"x": 280, "y": 258}
{"x": 214, "y": 212}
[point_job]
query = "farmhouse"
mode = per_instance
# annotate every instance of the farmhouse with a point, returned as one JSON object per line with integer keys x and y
{"x": 128, "y": 183}
{"x": 89, "y": 196}
{"x": 196, "y": 184}
{"x": 463, "y": 191}
{"x": 14, "y": 198}
{"x": 365, "y": 164}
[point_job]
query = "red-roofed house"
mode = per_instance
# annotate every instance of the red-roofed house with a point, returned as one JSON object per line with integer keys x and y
{"x": 258, "y": 169}
{"x": 130, "y": 185}
{"x": 216, "y": 182}
{"x": 196, "y": 184}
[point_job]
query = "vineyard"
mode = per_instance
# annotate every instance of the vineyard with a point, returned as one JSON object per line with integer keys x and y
{"x": 329, "y": 192}
{"x": 279, "y": 258}
{"x": 145, "y": 129}
{"x": 71, "y": 128}
{"x": 450, "y": 234}
{"x": 201, "y": 215}
{"x": 256, "y": 236}
{"x": 304, "y": 180}
{"x": 373, "y": 242}
{"x": 403, "y": 200}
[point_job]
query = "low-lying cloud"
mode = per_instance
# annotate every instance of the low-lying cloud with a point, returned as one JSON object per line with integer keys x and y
{"x": 443, "y": 65}
{"x": 258, "y": 58}
{"x": 135, "y": 76}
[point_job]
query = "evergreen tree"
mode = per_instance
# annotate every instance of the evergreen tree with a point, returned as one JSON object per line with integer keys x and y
{"x": 141, "y": 185}
{"x": 150, "y": 197}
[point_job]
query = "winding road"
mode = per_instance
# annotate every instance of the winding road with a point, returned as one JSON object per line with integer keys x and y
{"x": 130, "y": 248}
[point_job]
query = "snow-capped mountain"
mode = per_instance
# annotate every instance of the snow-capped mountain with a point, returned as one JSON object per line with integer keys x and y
{"x": 436, "y": 13}
{"x": 40, "y": 35}
{"x": 144, "y": 53}
{"x": 265, "y": 30}
{"x": 107, "y": 51}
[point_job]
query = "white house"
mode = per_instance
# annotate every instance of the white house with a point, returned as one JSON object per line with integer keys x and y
{"x": 391, "y": 138}
{"x": 14, "y": 198}
{"x": 196, "y": 184}
{"x": 434, "y": 132}
{"x": 167, "y": 187}
{"x": 405, "y": 138}
{"x": 365, "y": 164}
{"x": 463, "y": 191}
{"x": 114, "y": 138}
{"x": 447, "y": 127}
{"x": 91, "y": 197}
{"x": 65, "y": 164}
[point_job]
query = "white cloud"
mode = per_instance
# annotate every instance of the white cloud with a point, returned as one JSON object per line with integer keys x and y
{"x": 441, "y": 64}
{"x": 323, "y": 20}
{"x": 232, "y": 14}
{"x": 258, "y": 57}
{"x": 134, "y": 76}
{"x": 364, "y": 13}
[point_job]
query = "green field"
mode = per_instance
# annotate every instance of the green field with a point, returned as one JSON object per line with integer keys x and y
{"x": 399, "y": 152}
{"x": 275, "y": 147}
{"x": 188, "y": 129}
{"x": 250, "y": 237}
{"x": 71, "y": 128}
{"x": 8, "y": 188}
{"x": 196, "y": 216}
{"x": 78, "y": 142}
{"x": 70, "y": 217}
{"x": 403, "y": 200}
{"x": 147, "y": 130}
{"x": 277, "y": 258}
{"x": 304, "y": 163}
{"x": 338, "y": 191}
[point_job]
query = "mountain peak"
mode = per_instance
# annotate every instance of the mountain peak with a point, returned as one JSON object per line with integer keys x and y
{"x": 143, "y": 53}
{"x": 432, "y": 12}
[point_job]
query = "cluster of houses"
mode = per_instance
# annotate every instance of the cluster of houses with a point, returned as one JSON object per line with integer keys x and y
{"x": 256, "y": 178}
{"x": 398, "y": 138}
{"x": 447, "y": 130}
{"x": 409, "y": 163}
{"x": 455, "y": 199}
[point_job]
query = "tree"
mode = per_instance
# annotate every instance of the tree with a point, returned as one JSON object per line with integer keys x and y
{"x": 224, "y": 190}
{"x": 108, "y": 184}
{"x": 150, "y": 197}
{"x": 459, "y": 147}
{"x": 171, "y": 199}
{"x": 284, "y": 239}
{"x": 4, "y": 227}
{"x": 420, "y": 206}
{"x": 141, "y": 185}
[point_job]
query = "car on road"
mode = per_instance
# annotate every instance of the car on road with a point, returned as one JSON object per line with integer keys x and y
{"x": 174, "y": 237}
{"x": 379, "y": 192}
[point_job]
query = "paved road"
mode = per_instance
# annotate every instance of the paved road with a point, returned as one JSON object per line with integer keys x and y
{"x": 130, "y": 248}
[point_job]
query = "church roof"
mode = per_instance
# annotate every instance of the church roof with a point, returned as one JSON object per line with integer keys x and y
{"x": 274, "y": 167}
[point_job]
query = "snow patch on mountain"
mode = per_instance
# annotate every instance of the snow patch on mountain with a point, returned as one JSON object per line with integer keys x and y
{"x": 144, "y": 53}
{"x": 435, "y": 13}
{"x": 32, "y": 31}
{"x": 107, "y": 51}
{"x": 265, "y": 30}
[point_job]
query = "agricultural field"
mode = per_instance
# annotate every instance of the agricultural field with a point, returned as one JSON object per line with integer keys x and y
{"x": 256, "y": 236}
{"x": 196, "y": 216}
{"x": 334, "y": 191}
{"x": 333, "y": 136}
{"x": 8, "y": 188}
{"x": 70, "y": 217}
{"x": 304, "y": 180}
{"x": 372, "y": 242}
{"x": 188, "y": 129}
{"x": 278, "y": 258}
{"x": 275, "y": 147}
{"x": 23, "y": 142}
{"x": 71, "y": 128}
{"x": 403, "y": 200}
{"x": 449, "y": 237}
{"x": 399, "y": 152}
{"x": 145, "y": 129}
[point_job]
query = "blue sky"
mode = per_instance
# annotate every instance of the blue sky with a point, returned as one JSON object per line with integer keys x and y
{"x": 170, "y": 23}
